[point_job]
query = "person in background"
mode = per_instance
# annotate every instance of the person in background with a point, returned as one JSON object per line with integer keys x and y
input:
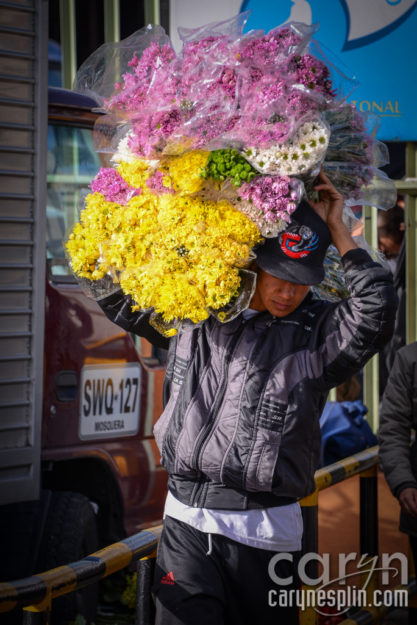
{"x": 391, "y": 242}
{"x": 398, "y": 417}
{"x": 349, "y": 390}
{"x": 391, "y": 229}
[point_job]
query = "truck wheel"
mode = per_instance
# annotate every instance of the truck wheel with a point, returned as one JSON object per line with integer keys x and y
{"x": 70, "y": 534}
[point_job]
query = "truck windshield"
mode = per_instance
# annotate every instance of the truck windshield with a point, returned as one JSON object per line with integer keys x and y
{"x": 71, "y": 164}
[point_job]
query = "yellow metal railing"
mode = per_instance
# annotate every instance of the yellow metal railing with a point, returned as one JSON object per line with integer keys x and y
{"x": 35, "y": 594}
{"x": 364, "y": 464}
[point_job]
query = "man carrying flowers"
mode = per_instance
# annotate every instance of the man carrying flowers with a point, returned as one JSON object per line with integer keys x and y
{"x": 205, "y": 237}
{"x": 240, "y": 435}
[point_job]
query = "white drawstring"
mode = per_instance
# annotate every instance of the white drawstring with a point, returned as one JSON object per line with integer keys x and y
{"x": 210, "y": 545}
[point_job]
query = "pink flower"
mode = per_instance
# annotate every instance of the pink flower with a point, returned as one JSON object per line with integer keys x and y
{"x": 150, "y": 131}
{"x": 110, "y": 183}
{"x": 155, "y": 182}
{"x": 269, "y": 48}
{"x": 312, "y": 73}
{"x": 274, "y": 196}
{"x": 152, "y": 83}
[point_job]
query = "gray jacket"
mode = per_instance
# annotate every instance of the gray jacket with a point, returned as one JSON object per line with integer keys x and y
{"x": 398, "y": 417}
{"x": 241, "y": 425}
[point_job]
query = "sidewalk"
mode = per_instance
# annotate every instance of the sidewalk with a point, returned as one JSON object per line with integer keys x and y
{"x": 339, "y": 518}
{"x": 339, "y": 528}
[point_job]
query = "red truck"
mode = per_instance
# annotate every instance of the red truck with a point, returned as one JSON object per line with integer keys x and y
{"x": 102, "y": 392}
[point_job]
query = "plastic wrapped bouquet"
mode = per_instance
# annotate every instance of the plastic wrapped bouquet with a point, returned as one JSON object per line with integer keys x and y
{"x": 211, "y": 150}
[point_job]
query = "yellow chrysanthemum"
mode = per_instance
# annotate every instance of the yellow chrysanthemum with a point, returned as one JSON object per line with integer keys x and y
{"x": 178, "y": 254}
{"x": 135, "y": 173}
{"x": 185, "y": 171}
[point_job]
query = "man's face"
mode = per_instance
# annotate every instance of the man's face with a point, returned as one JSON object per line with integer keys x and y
{"x": 278, "y": 297}
{"x": 390, "y": 237}
{"x": 388, "y": 246}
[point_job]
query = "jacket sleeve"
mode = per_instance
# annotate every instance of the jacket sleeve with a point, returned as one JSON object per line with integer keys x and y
{"x": 118, "y": 308}
{"x": 396, "y": 421}
{"x": 359, "y": 326}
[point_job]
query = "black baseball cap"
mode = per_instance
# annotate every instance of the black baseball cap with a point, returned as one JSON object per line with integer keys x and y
{"x": 298, "y": 252}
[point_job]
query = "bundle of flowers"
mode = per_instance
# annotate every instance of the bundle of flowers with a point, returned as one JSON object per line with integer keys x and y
{"x": 178, "y": 254}
{"x": 296, "y": 156}
{"x": 269, "y": 201}
{"x": 354, "y": 155}
{"x": 211, "y": 149}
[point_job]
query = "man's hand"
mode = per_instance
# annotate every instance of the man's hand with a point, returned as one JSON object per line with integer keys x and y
{"x": 330, "y": 208}
{"x": 330, "y": 203}
{"x": 408, "y": 500}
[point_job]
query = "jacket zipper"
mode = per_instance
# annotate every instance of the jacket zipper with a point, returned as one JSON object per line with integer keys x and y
{"x": 219, "y": 399}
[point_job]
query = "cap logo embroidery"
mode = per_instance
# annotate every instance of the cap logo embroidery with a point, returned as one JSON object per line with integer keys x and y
{"x": 298, "y": 241}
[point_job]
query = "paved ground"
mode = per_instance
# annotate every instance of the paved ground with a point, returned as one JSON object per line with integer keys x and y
{"x": 339, "y": 528}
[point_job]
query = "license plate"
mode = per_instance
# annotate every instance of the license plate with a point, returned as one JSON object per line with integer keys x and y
{"x": 110, "y": 400}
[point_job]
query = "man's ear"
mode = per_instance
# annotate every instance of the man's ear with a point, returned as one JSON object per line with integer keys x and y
{"x": 402, "y": 226}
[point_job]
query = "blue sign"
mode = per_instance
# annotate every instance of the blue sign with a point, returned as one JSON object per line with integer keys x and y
{"x": 375, "y": 39}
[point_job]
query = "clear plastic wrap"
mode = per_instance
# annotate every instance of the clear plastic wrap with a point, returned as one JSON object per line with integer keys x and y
{"x": 360, "y": 148}
{"x": 98, "y": 289}
{"x": 105, "y": 68}
{"x": 164, "y": 327}
{"x": 231, "y": 28}
{"x": 346, "y": 118}
{"x": 334, "y": 287}
{"x": 338, "y": 81}
{"x": 380, "y": 192}
{"x": 353, "y": 222}
{"x": 354, "y": 155}
{"x": 241, "y": 301}
{"x": 362, "y": 184}
{"x": 271, "y": 52}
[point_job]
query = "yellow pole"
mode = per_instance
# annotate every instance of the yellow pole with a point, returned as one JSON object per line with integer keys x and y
{"x": 68, "y": 42}
{"x": 152, "y": 12}
{"x": 111, "y": 20}
{"x": 371, "y": 369}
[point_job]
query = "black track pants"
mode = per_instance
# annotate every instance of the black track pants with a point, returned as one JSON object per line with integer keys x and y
{"x": 230, "y": 586}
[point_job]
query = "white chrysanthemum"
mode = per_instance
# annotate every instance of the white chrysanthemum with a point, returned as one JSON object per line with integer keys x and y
{"x": 302, "y": 153}
{"x": 123, "y": 153}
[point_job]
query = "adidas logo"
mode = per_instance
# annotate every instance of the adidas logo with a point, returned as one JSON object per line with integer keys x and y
{"x": 168, "y": 579}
